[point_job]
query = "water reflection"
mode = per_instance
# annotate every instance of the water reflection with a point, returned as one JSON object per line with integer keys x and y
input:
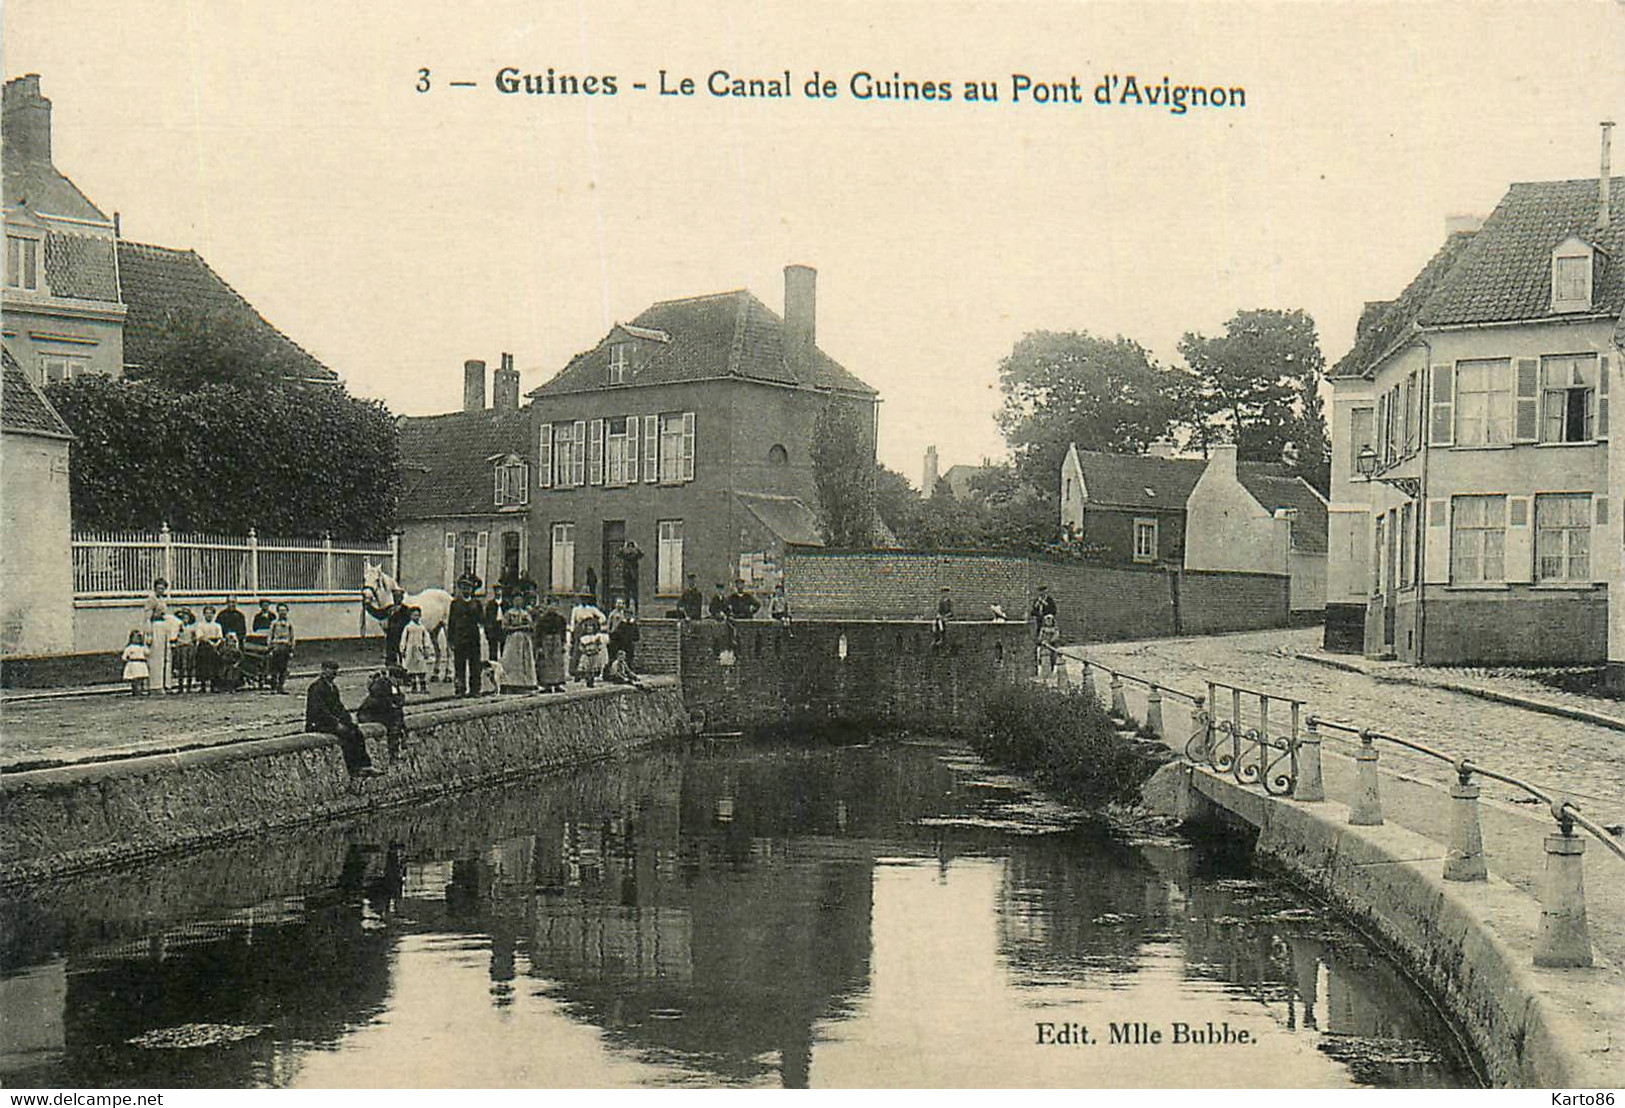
{"x": 714, "y": 916}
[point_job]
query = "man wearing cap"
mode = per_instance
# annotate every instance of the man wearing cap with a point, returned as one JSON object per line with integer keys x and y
{"x": 463, "y": 631}
{"x": 394, "y": 616}
{"x": 325, "y": 713}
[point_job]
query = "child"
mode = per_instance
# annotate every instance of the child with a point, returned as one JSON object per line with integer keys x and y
{"x": 280, "y": 640}
{"x": 231, "y": 663}
{"x": 779, "y": 606}
{"x": 183, "y": 655}
{"x": 620, "y": 672}
{"x": 594, "y": 650}
{"x": 386, "y": 704}
{"x": 135, "y": 663}
{"x": 415, "y": 651}
{"x": 206, "y": 638}
{"x": 1049, "y": 637}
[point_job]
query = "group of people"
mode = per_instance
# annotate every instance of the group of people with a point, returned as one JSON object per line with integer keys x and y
{"x": 1042, "y": 614}
{"x": 210, "y": 650}
{"x": 740, "y": 603}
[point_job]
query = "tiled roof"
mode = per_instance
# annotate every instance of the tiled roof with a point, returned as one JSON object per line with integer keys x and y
{"x": 725, "y": 334}
{"x": 959, "y": 479}
{"x": 158, "y": 282}
{"x": 786, "y": 516}
{"x": 1146, "y": 481}
{"x": 1275, "y": 493}
{"x": 23, "y": 407}
{"x": 81, "y": 266}
{"x": 1505, "y": 273}
{"x": 446, "y": 462}
{"x": 1385, "y": 322}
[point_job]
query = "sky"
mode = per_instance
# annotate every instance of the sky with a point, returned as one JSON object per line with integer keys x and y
{"x": 395, "y": 233}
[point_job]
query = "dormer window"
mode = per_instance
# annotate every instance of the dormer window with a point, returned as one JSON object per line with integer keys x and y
{"x": 620, "y": 362}
{"x": 22, "y": 262}
{"x": 1573, "y": 263}
{"x": 511, "y": 481}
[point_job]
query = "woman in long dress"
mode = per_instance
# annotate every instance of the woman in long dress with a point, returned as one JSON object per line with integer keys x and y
{"x": 162, "y": 628}
{"x": 518, "y": 652}
{"x": 552, "y": 669}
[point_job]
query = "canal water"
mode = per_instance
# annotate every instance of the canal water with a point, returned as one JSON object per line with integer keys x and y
{"x": 894, "y": 915}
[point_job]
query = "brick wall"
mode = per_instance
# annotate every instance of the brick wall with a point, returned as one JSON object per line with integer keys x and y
{"x": 889, "y": 676}
{"x": 1096, "y": 603}
{"x": 659, "y": 646}
{"x": 1211, "y": 601}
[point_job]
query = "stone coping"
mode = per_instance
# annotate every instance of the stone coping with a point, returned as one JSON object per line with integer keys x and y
{"x": 1471, "y": 944}
{"x": 430, "y": 715}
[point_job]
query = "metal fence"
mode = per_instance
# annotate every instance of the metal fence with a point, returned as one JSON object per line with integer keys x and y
{"x": 120, "y": 564}
{"x": 1270, "y": 741}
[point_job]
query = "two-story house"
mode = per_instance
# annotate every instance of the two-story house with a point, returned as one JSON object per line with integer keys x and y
{"x": 686, "y": 432}
{"x": 1485, "y": 389}
{"x": 466, "y": 486}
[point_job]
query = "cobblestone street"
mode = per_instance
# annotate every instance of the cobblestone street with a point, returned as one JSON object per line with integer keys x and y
{"x": 1583, "y": 760}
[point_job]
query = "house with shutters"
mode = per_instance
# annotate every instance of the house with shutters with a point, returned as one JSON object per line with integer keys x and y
{"x": 466, "y": 486}
{"x": 687, "y": 433}
{"x": 1472, "y": 420}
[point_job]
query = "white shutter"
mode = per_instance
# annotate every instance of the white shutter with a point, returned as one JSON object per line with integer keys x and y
{"x": 578, "y": 455}
{"x": 451, "y": 559}
{"x": 1526, "y": 423}
{"x": 1441, "y": 397}
{"x": 1382, "y": 430}
{"x": 651, "y": 448}
{"x": 499, "y": 484}
{"x": 631, "y": 476}
{"x": 482, "y": 545}
{"x": 1604, "y": 554}
{"x": 595, "y": 453}
{"x": 688, "y": 446}
{"x": 544, "y": 456}
{"x": 1438, "y": 542}
{"x": 523, "y": 474}
{"x": 1601, "y": 422}
{"x": 1520, "y": 545}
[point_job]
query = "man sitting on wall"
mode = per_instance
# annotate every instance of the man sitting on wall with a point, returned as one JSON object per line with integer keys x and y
{"x": 325, "y": 713}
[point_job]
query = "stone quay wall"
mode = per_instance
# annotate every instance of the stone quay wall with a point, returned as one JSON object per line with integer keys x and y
{"x": 1469, "y": 944}
{"x": 93, "y": 815}
{"x": 847, "y": 674}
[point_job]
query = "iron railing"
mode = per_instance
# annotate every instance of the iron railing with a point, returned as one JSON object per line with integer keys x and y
{"x": 1280, "y": 751}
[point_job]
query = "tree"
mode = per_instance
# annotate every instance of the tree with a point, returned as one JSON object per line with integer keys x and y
{"x": 896, "y": 500}
{"x": 844, "y": 474}
{"x": 1065, "y": 387}
{"x": 192, "y": 349}
{"x": 218, "y": 458}
{"x": 1257, "y": 385}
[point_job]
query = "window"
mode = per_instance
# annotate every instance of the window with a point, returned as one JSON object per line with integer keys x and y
{"x": 512, "y": 482}
{"x": 669, "y": 558}
{"x": 1569, "y": 398}
{"x": 22, "y": 262}
{"x": 569, "y": 453}
{"x": 61, "y": 367}
{"x": 1484, "y": 402}
{"x": 621, "y": 451}
{"x": 677, "y": 447}
{"x": 620, "y": 362}
{"x": 651, "y": 448}
{"x": 1145, "y": 540}
{"x": 562, "y": 576}
{"x": 1362, "y": 433}
{"x": 512, "y": 548}
{"x": 1478, "y": 540}
{"x": 468, "y": 554}
{"x": 1407, "y": 544}
{"x": 1571, "y": 283}
{"x": 1563, "y": 537}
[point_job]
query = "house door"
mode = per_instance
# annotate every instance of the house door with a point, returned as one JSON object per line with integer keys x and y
{"x": 608, "y": 576}
{"x": 1390, "y": 596}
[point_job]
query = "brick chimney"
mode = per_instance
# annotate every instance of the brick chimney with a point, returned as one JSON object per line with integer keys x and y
{"x": 1222, "y": 458}
{"x": 474, "y": 385}
{"x": 1604, "y": 185}
{"x": 1161, "y": 448}
{"x": 505, "y": 386}
{"x": 27, "y": 121}
{"x": 1456, "y": 224}
{"x": 928, "y": 483}
{"x": 800, "y": 315}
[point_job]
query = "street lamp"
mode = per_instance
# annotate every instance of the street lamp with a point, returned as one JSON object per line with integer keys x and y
{"x": 1366, "y": 461}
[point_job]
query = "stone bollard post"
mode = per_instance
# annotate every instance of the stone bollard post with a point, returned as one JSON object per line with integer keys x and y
{"x": 1086, "y": 679}
{"x": 1153, "y": 712}
{"x": 1563, "y": 940}
{"x": 1063, "y": 680}
{"x": 1309, "y": 785}
{"x": 1465, "y": 861}
{"x": 1203, "y": 737}
{"x": 1367, "y": 808}
{"x": 1119, "y": 705}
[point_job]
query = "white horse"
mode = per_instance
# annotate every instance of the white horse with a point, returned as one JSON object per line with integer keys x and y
{"x": 379, "y": 589}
